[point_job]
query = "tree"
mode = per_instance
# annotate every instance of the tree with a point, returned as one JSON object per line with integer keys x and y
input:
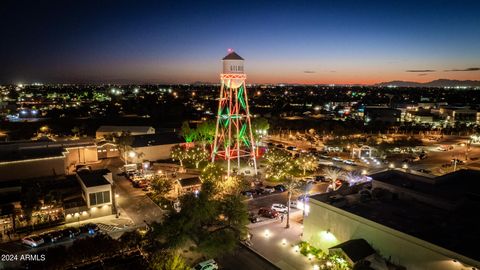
{"x": 279, "y": 164}
{"x": 30, "y": 201}
{"x": 196, "y": 155}
{"x": 354, "y": 178}
{"x": 260, "y": 126}
{"x": 292, "y": 184}
{"x": 306, "y": 162}
{"x": 206, "y": 132}
{"x": 161, "y": 185}
{"x": 333, "y": 174}
{"x": 125, "y": 141}
{"x": 188, "y": 134}
{"x": 179, "y": 153}
{"x": 168, "y": 261}
{"x": 214, "y": 223}
{"x": 76, "y": 131}
{"x": 212, "y": 173}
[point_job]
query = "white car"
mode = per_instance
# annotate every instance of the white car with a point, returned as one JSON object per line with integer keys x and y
{"x": 33, "y": 241}
{"x": 207, "y": 265}
{"x": 337, "y": 159}
{"x": 279, "y": 208}
{"x": 349, "y": 162}
{"x": 269, "y": 189}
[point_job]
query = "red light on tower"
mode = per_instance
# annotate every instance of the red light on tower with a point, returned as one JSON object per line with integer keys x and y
{"x": 233, "y": 132}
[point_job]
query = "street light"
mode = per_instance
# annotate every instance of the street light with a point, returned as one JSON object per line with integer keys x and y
{"x": 391, "y": 166}
{"x": 131, "y": 154}
{"x": 266, "y": 233}
{"x": 405, "y": 166}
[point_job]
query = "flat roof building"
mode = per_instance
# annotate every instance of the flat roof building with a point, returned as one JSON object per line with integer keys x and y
{"x": 414, "y": 221}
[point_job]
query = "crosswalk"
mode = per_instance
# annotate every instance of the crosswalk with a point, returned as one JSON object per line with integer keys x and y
{"x": 108, "y": 228}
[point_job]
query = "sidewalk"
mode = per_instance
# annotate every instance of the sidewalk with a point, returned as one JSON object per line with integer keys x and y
{"x": 275, "y": 243}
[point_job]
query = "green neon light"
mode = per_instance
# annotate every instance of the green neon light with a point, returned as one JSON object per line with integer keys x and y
{"x": 240, "y": 96}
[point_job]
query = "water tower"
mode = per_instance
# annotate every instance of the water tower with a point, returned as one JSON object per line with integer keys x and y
{"x": 233, "y": 133}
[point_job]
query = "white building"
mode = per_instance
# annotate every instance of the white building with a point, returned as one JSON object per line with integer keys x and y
{"x": 102, "y": 131}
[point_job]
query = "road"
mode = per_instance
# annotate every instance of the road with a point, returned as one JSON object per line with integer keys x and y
{"x": 245, "y": 259}
{"x": 269, "y": 199}
{"x": 137, "y": 205}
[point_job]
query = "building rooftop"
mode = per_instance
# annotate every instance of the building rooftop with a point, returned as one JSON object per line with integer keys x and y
{"x": 93, "y": 178}
{"x": 188, "y": 182}
{"x": 156, "y": 139}
{"x": 448, "y": 228}
{"x": 453, "y": 187}
{"x": 30, "y": 153}
{"x": 355, "y": 249}
{"x": 233, "y": 56}
{"x": 132, "y": 129}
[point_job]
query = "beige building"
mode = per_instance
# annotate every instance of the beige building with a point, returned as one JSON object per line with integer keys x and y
{"x": 152, "y": 147}
{"x": 35, "y": 159}
{"x": 403, "y": 228}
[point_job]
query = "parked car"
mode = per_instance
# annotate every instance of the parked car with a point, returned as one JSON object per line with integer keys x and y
{"x": 70, "y": 232}
{"x": 253, "y": 218}
{"x": 349, "y": 162}
{"x": 309, "y": 179}
{"x": 269, "y": 189}
{"x": 291, "y": 148}
{"x": 207, "y": 265}
{"x": 56, "y": 235}
{"x": 337, "y": 159}
{"x": 47, "y": 238}
{"x": 320, "y": 178}
{"x": 89, "y": 228}
{"x": 279, "y": 208}
{"x": 247, "y": 193}
{"x": 268, "y": 213}
{"x": 33, "y": 241}
{"x": 280, "y": 188}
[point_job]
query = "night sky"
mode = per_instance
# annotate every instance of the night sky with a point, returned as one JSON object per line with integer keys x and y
{"x": 293, "y": 42}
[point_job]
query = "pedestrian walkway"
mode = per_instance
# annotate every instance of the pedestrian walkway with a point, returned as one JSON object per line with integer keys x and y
{"x": 108, "y": 228}
{"x": 276, "y": 243}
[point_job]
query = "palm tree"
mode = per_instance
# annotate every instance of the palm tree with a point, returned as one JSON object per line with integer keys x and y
{"x": 353, "y": 178}
{"x": 292, "y": 184}
{"x": 333, "y": 174}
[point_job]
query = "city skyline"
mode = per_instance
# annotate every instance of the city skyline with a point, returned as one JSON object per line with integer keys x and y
{"x": 320, "y": 43}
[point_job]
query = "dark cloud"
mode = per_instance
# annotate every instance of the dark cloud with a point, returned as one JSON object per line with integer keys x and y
{"x": 465, "y": 69}
{"x": 420, "y": 70}
{"x": 309, "y": 71}
{"x": 422, "y": 74}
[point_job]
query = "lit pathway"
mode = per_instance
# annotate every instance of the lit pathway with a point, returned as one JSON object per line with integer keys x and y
{"x": 272, "y": 248}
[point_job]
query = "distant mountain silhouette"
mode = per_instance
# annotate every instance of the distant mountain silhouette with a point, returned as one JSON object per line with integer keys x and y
{"x": 435, "y": 83}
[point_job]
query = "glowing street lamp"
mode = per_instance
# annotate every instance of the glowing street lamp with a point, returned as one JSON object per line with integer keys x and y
{"x": 266, "y": 233}
{"x": 391, "y": 166}
{"x": 284, "y": 241}
{"x": 405, "y": 166}
{"x": 132, "y": 154}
